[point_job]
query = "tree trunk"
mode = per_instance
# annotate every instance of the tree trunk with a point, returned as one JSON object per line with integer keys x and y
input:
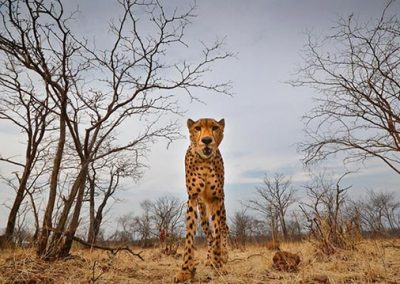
{"x": 36, "y": 217}
{"x": 56, "y": 240}
{"x": 42, "y": 249}
{"x": 80, "y": 186}
{"x": 96, "y": 218}
{"x": 283, "y": 225}
{"x": 91, "y": 234}
{"x": 12, "y": 217}
{"x": 94, "y": 227}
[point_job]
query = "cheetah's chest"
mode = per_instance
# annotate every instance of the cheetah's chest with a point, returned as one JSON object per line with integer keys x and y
{"x": 205, "y": 179}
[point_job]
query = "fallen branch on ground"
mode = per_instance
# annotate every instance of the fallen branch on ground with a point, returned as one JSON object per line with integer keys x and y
{"x": 246, "y": 258}
{"x": 114, "y": 251}
{"x": 391, "y": 245}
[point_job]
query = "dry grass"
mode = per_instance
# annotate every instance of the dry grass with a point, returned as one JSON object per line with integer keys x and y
{"x": 370, "y": 262}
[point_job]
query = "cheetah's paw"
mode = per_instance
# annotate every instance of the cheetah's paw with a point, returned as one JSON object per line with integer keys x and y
{"x": 184, "y": 275}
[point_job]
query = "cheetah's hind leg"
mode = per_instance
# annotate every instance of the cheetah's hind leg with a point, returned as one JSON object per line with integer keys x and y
{"x": 224, "y": 238}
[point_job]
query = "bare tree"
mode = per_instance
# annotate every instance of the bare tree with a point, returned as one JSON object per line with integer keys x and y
{"x": 166, "y": 212}
{"x": 379, "y": 212}
{"x": 258, "y": 230}
{"x": 356, "y": 73}
{"x": 134, "y": 80}
{"x": 32, "y": 117}
{"x": 103, "y": 180}
{"x": 125, "y": 231}
{"x": 36, "y": 39}
{"x": 295, "y": 225}
{"x": 167, "y": 216}
{"x": 325, "y": 212}
{"x": 240, "y": 228}
{"x": 160, "y": 221}
{"x": 273, "y": 200}
{"x": 137, "y": 228}
{"x": 142, "y": 224}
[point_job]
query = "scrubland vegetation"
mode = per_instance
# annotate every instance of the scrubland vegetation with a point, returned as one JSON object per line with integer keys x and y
{"x": 370, "y": 261}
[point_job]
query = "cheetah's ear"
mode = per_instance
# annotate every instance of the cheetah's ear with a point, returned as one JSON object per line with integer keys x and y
{"x": 222, "y": 122}
{"x": 190, "y": 123}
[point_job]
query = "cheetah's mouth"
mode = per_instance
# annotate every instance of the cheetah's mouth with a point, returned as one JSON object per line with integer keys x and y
{"x": 207, "y": 151}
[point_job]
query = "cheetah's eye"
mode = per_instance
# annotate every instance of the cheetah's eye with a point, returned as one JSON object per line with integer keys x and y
{"x": 197, "y": 128}
{"x": 215, "y": 128}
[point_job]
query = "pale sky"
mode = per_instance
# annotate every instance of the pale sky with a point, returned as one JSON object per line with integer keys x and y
{"x": 262, "y": 117}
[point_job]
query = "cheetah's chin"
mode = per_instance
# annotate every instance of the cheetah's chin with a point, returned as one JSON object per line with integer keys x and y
{"x": 207, "y": 151}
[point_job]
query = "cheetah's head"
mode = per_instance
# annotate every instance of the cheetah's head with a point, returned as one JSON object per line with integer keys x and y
{"x": 205, "y": 136}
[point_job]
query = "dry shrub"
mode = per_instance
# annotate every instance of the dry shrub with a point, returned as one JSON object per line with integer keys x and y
{"x": 273, "y": 245}
{"x": 328, "y": 236}
{"x": 169, "y": 245}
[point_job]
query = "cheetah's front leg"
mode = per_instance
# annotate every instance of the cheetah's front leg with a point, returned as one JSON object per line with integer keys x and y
{"x": 224, "y": 237}
{"x": 206, "y": 230}
{"x": 216, "y": 221}
{"x": 188, "y": 270}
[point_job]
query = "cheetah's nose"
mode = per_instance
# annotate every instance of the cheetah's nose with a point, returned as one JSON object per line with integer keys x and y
{"x": 206, "y": 140}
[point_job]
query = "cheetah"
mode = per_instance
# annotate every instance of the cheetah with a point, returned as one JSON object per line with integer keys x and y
{"x": 205, "y": 188}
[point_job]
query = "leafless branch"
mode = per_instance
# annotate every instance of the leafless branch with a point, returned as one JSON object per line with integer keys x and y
{"x": 355, "y": 70}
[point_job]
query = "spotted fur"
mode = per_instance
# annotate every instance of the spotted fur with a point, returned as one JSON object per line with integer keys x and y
{"x": 205, "y": 187}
